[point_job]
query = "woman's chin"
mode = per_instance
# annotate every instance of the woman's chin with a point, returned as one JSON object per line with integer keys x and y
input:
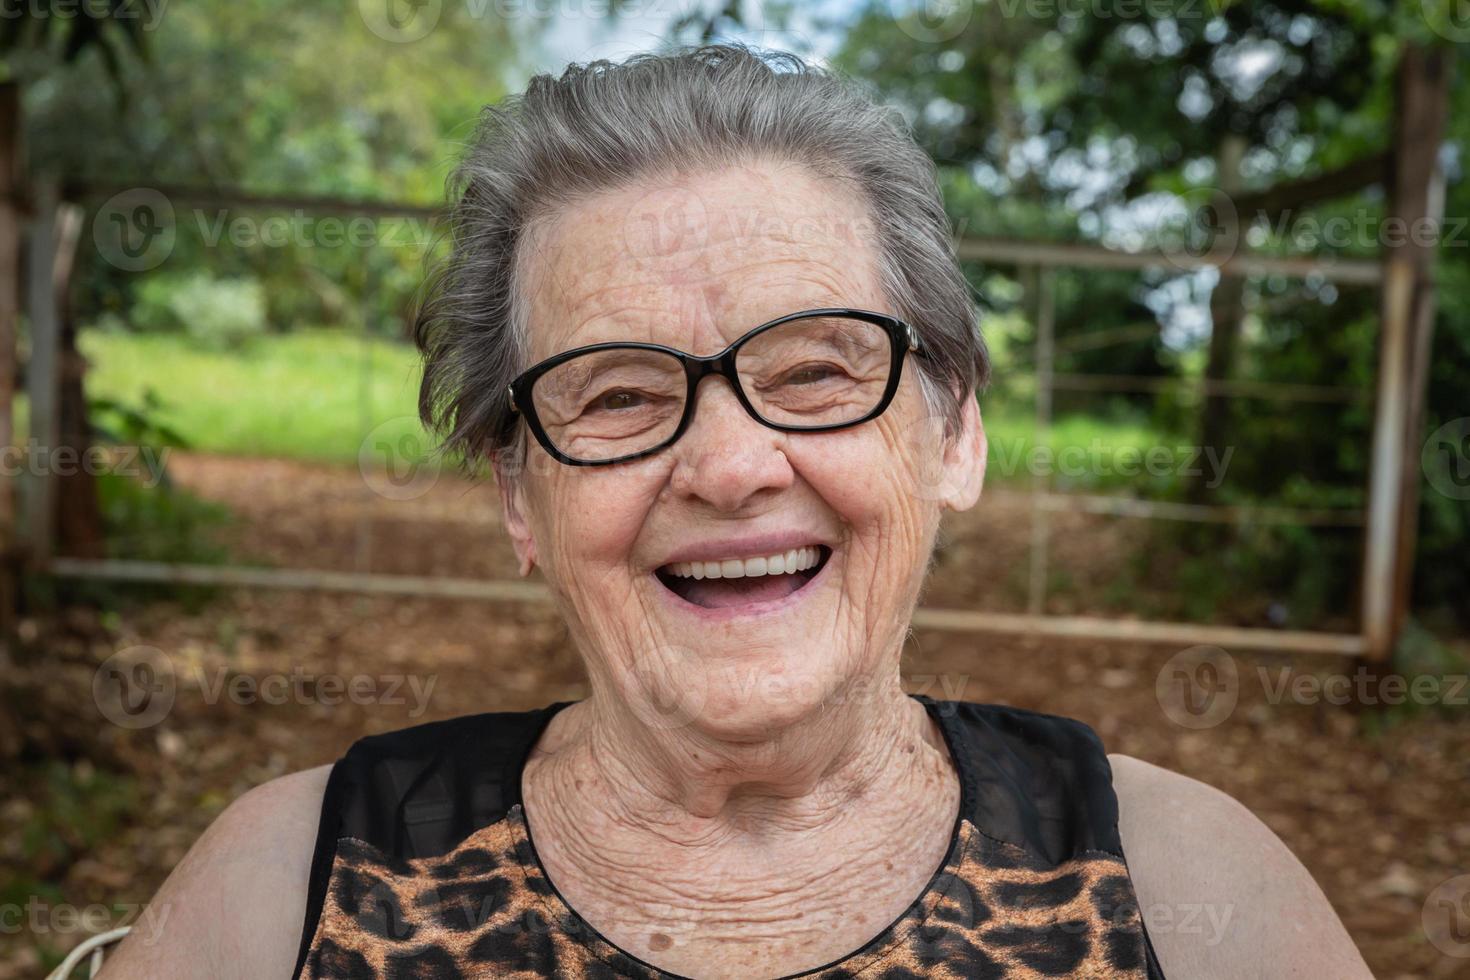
{"x": 760, "y": 711}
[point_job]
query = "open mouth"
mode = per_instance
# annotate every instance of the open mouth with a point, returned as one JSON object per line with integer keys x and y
{"x": 742, "y": 581}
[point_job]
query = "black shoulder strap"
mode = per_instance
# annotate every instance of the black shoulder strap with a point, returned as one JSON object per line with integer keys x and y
{"x": 1041, "y": 782}
{"x": 419, "y": 791}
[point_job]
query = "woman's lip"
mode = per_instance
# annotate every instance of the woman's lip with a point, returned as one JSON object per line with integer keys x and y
{"x": 750, "y": 546}
{"x": 749, "y": 609}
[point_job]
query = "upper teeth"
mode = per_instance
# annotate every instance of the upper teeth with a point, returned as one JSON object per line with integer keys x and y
{"x": 781, "y": 563}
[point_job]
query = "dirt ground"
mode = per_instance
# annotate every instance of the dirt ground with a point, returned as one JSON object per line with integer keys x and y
{"x": 1379, "y": 813}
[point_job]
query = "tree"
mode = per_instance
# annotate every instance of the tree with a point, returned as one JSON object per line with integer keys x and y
{"x": 31, "y": 45}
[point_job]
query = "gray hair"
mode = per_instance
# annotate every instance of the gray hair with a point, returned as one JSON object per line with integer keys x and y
{"x": 606, "y": 125}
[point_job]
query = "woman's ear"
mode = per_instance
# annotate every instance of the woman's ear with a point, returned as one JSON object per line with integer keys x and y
{"x": 965, "y": 457}
{"x": 513, "y": 512}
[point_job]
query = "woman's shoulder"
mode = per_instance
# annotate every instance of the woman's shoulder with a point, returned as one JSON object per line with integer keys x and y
{"x": 1221, "y": 894}
{"x": 233, "y": 906}
{"x": 236, "y": 905}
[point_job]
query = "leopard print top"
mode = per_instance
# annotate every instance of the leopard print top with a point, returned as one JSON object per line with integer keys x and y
{"x": 425, "y": 868}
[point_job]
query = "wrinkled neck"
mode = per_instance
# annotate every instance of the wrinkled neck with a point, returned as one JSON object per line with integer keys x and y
{"x": 683, "y": 784}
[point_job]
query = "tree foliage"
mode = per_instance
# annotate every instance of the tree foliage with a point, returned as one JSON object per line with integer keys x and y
{"x": 1104, "y": 122}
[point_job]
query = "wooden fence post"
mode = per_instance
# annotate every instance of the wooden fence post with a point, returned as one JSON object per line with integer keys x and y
{"x": 1046, "y": 313}
{"x": 43, "y": 374}
{"x": 1409, "y": 245}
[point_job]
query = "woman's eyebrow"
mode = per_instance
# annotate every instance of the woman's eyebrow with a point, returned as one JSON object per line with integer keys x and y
{"x": 625, "y": 323}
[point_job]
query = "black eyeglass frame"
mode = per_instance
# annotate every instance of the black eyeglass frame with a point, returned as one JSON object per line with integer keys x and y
{"x": 902, "y": 338}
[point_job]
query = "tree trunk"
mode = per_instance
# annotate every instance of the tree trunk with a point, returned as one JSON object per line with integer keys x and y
{"x": 9, "y": 316}
{"x": 79, "y": 530}
{"x": 1227, "y": 310}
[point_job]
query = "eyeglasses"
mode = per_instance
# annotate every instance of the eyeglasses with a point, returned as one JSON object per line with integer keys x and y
{"x": 813, "y": 371}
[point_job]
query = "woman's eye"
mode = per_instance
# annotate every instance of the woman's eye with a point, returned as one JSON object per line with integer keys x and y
{"x": 617, "y": 401}
{"x": 809, "y": 374}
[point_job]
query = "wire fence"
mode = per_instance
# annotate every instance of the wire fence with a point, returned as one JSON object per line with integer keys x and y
{"x": 1036, "y": 262}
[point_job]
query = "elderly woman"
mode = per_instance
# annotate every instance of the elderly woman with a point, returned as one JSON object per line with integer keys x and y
{"x": 703, "y": 318}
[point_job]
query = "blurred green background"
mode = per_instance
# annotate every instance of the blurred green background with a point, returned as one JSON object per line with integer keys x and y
{"x": 1050, "y": 122}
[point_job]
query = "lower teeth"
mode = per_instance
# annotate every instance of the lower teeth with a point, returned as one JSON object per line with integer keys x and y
{"x": 725, "y": 592}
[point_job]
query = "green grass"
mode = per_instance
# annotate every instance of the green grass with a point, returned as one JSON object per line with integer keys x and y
{"x": 311, "y": 394}
{"x": 1097, "y": 451}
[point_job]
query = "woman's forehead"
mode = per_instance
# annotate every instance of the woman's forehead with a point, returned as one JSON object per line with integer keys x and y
{"x": 709, "y": 257}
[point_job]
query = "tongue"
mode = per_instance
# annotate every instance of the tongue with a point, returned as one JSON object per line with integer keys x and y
{"x": 721, "y": 593}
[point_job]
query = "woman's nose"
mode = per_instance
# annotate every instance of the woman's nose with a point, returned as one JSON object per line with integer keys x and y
{"x": 725, "y": 457}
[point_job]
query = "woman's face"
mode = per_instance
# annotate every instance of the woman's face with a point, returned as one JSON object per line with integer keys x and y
{"x": 694, "y": 264}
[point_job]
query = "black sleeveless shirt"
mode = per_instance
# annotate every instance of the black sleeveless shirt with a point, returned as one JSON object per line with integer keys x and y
{"x": 424, "y": 866}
